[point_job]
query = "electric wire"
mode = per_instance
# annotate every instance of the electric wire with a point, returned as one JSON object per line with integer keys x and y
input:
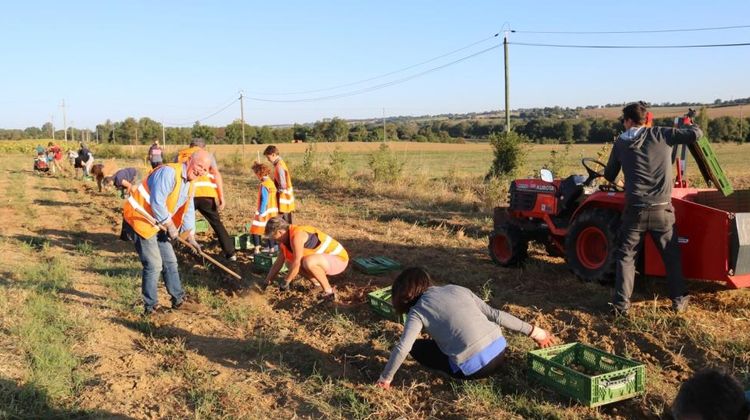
{"x": 222, "y": 109}
{"x": 533, "y": 44}
{"x": 375, "y": 87}
{"x": 650, "y": 31}
{"x": 379, "y": 76}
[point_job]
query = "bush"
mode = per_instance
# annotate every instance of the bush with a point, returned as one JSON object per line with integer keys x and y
{"x": 509, "y": 153}
{"x": 107, "y": 151}
{"x": 307, "y": 169}
{"x": 385, "y": 165}
{"x": 336, "y": 164}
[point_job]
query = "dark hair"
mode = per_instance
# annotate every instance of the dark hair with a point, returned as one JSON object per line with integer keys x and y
{"x": 635, "y": 112}
{"x": 271, "y": 150}
{"x": 712, "y": 395}
{"x": 261, "y": 169}
{"x": 408, "y": 288}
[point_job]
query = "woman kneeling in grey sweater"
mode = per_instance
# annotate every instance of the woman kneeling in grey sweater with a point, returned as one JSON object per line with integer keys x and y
{"x": 466, "y": 339}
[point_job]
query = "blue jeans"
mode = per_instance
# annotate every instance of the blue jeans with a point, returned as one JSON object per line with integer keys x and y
{"x": 157, "y": 256}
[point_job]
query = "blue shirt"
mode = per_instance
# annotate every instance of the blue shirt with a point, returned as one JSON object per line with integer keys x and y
{"x": 161, "y": 183}
{"x": 481, "y": 359}
{"x": 125, "y": 174}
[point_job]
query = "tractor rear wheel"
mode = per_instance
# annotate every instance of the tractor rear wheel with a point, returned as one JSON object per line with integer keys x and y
{"x": 507, "y": 246}
{"x": 591, "y": 243}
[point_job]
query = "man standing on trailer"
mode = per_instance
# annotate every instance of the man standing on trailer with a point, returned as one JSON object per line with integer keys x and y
{"x": 283, "y": 180}
{"x": 645, "y": 156}
{"x": 209, "y": 197}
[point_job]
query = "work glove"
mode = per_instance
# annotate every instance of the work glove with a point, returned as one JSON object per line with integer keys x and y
{"x": 171, "y": 229}
{"x": 542, "y": 337}
{"x": 383, "y": 384}
{"x": 189, "y": 236}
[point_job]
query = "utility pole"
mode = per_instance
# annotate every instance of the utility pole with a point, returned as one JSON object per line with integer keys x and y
{"x": 65, "y": 122}
{"x": 114, "y": 139}
{"x": 72, "y": 131}
{"x": 242, "y": 120}
{"x": 384, "y": 136}
{"x": 52, "y": 122}
{"x": 507, "y": 93}
{"x": 136, "y": 135}
{"x": 164, "y": 137}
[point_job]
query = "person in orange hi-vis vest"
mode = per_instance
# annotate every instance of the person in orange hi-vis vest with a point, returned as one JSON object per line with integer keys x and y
{"x": 267, "y": 207}
{"x": 165, "y": 198}
{"x": 283, "y": 180}
{"x": 209, "y": 197}
{"x": 306, "y": 250}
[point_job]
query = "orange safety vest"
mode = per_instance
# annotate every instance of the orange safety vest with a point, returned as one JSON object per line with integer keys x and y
{"x": 326, "y": 245}
{"x": 141, "y": 199}
{"x": 205, "y": 186}
{"x": 258, "y": 227}
{"x": 286, "y": 196}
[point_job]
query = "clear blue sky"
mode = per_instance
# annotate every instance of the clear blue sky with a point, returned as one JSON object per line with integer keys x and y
{"x": 178, "y": 61}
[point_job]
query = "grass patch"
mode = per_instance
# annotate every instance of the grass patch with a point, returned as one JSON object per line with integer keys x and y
{"x": 85, "y": 248}
{"x": 47, "y": 335}
{"x": 51, "y": 274}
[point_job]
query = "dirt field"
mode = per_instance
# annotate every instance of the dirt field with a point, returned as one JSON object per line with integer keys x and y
{"x": 74, "y": 343}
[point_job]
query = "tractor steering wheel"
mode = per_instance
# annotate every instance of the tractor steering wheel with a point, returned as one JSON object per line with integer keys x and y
{"x": 594, "y": 174}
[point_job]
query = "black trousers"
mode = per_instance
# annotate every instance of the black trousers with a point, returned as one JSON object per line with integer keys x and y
{"x": 658, "y": 221}
{"x": 428, "y": 354}
{"x": 208, "y": 208}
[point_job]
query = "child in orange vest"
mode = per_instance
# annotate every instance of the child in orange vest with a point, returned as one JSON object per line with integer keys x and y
{"x": 267, "y": 206}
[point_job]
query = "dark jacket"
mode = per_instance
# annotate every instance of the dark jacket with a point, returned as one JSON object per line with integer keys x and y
{"x": 645, "y": 157}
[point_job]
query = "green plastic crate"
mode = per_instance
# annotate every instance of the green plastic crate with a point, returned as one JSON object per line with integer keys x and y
{"x": 589, "y": 375}
{"x": 263, "y": 262}
{"x": 709, "y": 166}
{"x": 201, "y": 226}
{"x": 380, "y": 302}
{"x": 243, "y": 241}
{"x": 376, "y": 265}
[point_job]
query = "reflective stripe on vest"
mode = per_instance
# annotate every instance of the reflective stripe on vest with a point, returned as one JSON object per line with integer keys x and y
{"x": 327, "y": 244}
{"x": 286, "y": 196}
{"x": 204, "y": 185}
{"x": 141, "y": 200}
{"x": 258, "y": 226}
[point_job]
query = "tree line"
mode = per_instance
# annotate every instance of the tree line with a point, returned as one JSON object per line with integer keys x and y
{"x": 541, "y": 128}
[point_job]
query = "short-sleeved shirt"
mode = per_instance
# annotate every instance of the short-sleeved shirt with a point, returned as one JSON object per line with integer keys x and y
{"x": 127, "y": 174}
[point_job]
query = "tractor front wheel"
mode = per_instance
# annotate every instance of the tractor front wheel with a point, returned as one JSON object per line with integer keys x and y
{"x": 507, "y": 246}
{"x": 590, "y": 245}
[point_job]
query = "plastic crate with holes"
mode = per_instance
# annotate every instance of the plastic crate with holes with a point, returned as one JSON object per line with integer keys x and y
{"x": 263, "y": 262}
{"x": 201, "y": 225}
{"x": 380, "y": 302}
{"x": 587, "y": 374}
{"x": 376, "y": 265}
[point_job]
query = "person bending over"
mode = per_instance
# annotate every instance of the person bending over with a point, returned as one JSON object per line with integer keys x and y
{"x": 466, "y": 341}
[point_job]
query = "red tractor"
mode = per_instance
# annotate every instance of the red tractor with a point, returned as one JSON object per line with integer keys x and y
{"x": 579, "y": 220}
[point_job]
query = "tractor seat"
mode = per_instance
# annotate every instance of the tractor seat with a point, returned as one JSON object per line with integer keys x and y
{"x": 570, "y": 191}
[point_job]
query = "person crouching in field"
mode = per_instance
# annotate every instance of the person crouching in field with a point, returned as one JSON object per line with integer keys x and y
{"x": 467, "y": 340}
{"x": 309, "y": 251}
{"x": 267, "y": 207}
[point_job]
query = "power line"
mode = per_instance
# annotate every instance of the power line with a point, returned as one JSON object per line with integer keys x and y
{"x": 379, "y": 76}
{"x": 222, "y": 109}
{"x": 376, "y": 87}
{"x": 650, "y": 31}
{"x": 531, "y": 44}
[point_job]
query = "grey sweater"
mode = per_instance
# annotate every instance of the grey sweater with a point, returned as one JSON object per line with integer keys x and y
{"x": 458, "y": 320}
{"x": 645, "y": 156}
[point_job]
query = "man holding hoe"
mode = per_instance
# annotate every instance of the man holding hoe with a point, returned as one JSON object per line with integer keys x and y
{"x": 159, "y": 210}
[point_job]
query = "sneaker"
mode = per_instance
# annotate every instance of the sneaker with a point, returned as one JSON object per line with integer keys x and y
{"x": 284, "y": 286}
{"x": 232, "y": 257}
{"x": 156, "y": 309}
{"x": 680, "y": 304}
{"x": 185, "y": 304}
{"x": 618, "y": 312}
{"x": 328, "y": 297}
